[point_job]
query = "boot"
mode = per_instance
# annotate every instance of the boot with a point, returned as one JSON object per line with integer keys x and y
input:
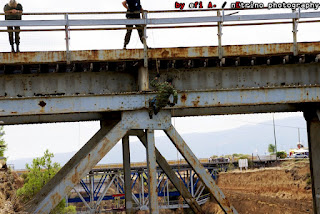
{"x": 12, "y": 48}
{"x": 18, "y": 50}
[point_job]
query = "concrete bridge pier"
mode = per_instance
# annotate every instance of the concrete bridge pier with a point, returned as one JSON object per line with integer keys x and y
{"x": 312, "y": 117}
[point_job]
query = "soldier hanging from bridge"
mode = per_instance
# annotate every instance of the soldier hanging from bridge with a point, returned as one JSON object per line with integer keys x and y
{"x": 133, "y": 12}
{"x": 13, "y": 11}
{"x": 165, "y": 90}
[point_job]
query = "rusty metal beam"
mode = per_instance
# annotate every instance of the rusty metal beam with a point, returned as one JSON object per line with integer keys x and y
{"x": 157, "y": 53}
{"x": 85, "y": 159}
{"x": 179, "y": 185}
{"x": 128, "y": 102}
{"x": 127, "y": 174}
{"x": 313, "y": 126}
{"x": 207, "y": 180}
{"x": 185, "y": 79}
{"x": 152, "y": 172}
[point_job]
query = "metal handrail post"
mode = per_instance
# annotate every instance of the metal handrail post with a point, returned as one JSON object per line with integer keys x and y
{"x": 145, "y": 47}
{"x": 295, "y": 22}
{"x": 220, "y": 24}
{"x": 68, "y": 57}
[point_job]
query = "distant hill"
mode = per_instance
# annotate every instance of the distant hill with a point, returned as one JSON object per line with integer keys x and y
{"x": 248, "y": 139}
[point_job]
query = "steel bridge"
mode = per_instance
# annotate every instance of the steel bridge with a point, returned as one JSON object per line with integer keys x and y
{"x": 96, "y": 186}
{"x": 113, "y": 86}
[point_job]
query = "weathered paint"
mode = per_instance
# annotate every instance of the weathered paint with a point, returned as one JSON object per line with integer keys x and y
{"x": 127, "y": 174}
{"x": 61, "y": 184}
{"x": 128, "y": 102}
{"x": 152, "y": 173}
{"x": 157, "y": 53}
{"x": 313, "y": 126}
{"x": 171, "y": 175}
{"x": 185, "y": 79}
{"x": 206, "y": 178}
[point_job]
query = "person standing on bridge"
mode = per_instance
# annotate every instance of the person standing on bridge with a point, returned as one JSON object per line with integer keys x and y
{"x": 13, "y": 11}
{"x": 165, "y": 90}
{"x": 133, "y": 12}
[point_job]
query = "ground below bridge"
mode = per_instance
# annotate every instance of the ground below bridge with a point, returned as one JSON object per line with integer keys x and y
{"x": 279, "y": 190}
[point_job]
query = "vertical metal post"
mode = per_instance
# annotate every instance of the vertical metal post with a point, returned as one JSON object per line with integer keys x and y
{"x": 220, "y": 24}
{"x": 68, "y": 57}
{"x": 127, "y": 173}
{"x": 91, "y": 179}
{"x": 295, "y": 31}
{"x": 275, "y": 138}
{"x": 191, "y": 183}
{"x": 177, "y": 182}
{"x": 145, "y": 47}
{"x": 152, "y": 173}
{"x": 143, "y": 79}
{"x": 313, "y": 126}
{"x": 168, "y": 195}
{"x": 142, "y": 189}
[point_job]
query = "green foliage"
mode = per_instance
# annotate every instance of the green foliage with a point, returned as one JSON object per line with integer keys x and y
{"x": 70, "y": 209}
{"x": 3, "y": 144}
{"x": 271, "y": 149}
{"x": 40, "y": 172}
{"x": 231, "y": 166}
{"x": 281, "y": 154}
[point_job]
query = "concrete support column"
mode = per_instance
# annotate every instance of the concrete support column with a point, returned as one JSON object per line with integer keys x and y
{"x": 152, "y": 173}
{"x": 143, "y": 78}
{"x": 127, "y": 173}
{"x": 313, "y": 126}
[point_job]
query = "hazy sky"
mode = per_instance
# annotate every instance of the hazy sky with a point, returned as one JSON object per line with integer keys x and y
{"x": 32, "y": 140}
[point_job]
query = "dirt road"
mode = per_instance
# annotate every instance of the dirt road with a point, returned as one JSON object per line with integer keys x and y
{"x": 280, "y": 190}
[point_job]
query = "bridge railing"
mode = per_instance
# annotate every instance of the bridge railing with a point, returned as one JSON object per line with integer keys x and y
{"x": 219, "y": 20}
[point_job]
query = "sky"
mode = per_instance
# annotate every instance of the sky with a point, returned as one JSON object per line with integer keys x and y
{"x": 32, "y": 140}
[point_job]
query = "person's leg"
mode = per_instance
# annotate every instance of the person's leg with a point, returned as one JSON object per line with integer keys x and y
{"x": 152, "y": 107}
{"x": 17, "y": 37}
{"x": 128, "y": 36}
{"x": 140, "y": 32}
{"x": 11, "y": 38}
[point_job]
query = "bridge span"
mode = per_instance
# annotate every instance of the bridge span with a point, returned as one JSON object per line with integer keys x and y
{"x": 112, "y": 86}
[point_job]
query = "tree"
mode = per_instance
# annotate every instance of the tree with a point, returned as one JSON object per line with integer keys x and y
{"x": 3, "y": 145}
{"x": 40, "y": 172}
{"x": 271, "y": 148}
{"x": 281, "y": 154}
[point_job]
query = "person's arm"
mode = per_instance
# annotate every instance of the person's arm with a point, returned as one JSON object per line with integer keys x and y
{"x": 175, "y": 96}
{"x": 155, "y": 83}
{"x": 19, "y": 9}
{"x": 124, "y": 3}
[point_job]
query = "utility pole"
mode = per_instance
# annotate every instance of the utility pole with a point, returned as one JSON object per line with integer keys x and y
{"x": 274, "y": 135}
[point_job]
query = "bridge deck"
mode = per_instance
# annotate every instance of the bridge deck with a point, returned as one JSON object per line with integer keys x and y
{"x": 257, "y": 50}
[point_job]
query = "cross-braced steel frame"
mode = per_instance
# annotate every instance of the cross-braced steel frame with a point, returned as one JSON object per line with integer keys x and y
{"x": 131, "y": 123}
{"x": 97, "y": 185}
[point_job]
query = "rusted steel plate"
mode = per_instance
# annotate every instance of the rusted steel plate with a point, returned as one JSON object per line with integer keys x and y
{"x": 85, "y": 159}
{"x": 157, "y": 53}
{"x": 128, "y": 102}
{"x": 206, "y": 178}
{"x": 152, "y": 173}
{"x": 172, "y": 176}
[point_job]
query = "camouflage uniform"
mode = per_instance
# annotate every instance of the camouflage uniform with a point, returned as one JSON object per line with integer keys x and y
{"x": 165, "y": 90}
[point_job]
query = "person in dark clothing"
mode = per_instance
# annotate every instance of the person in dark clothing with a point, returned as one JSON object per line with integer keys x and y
{"x": 165, "y": 90}
{"x": 13, "y": 11}
{"x": 132, "y": 6}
